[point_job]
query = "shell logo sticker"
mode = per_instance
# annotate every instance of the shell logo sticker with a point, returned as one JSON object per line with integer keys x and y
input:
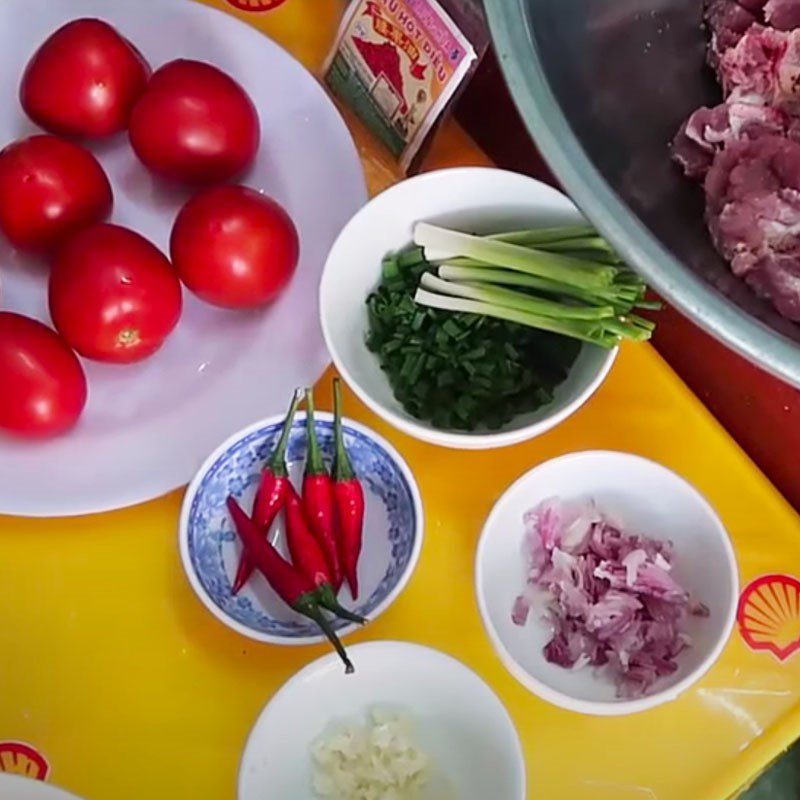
{"x": 255, "y": 5}
{"x": 19, "y": 758}
{"x": 769, "y": 615}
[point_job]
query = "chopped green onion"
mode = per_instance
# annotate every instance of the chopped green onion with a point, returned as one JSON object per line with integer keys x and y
{"x": 497, "y": 322}
{"x": 411, "y": 257}
{"x": 390, "y": 268}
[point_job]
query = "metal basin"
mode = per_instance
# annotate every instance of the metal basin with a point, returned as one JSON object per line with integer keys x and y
{"x": 603, "y": 85}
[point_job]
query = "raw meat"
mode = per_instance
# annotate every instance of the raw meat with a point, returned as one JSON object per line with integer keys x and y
{"x": 783, "y": 14}
{"x": 753, "y": 210}
{"x": 708, "y": 130}
{"x": 763, "y": 68}
{"x": 727, "y": 21}
{"x": 747, "y": 150}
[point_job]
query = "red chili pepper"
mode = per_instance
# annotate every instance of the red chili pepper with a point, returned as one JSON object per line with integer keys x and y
{"x": 291, "y": 585}
{"x": 349, "y": 498}
{"x": 318, "y": 498}
{"x": 309, "y": 558}
{"x": 271, "y": 494}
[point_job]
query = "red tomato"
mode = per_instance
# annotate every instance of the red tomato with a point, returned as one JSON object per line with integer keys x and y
{"x": 84, "y": 80}
{"x": 195, "y": 124}
{"x": 234, "y": 247}
{"x": 113, "y": 295}
{"x": 44, "y": 388}
{"x": 50, "y": 188}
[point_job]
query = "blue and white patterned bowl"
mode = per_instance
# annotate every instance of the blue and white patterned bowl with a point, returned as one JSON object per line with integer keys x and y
{"x": 210, "y": 549}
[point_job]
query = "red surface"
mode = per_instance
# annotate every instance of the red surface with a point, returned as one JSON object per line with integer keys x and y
{"x": 760, "y": 412}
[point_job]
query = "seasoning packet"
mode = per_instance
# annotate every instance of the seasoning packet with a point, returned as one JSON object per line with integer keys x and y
{"x": 398, "y": 65}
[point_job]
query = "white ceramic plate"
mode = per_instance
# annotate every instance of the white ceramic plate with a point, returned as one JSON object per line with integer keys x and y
{"x": 13, "y": 787}
{"x": 148, "y": 427}
{"x": 647, "y": 498}
{"x": 459, "y": 720}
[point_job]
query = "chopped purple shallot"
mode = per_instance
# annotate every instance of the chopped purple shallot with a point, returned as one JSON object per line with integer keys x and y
{"x": 612, "y": 600}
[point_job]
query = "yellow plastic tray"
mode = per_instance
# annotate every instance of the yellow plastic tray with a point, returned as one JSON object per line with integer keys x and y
{"x": 113, "y": 670}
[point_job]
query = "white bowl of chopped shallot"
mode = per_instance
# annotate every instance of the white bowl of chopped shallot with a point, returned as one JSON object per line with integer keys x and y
{"x": 607, "y": 583}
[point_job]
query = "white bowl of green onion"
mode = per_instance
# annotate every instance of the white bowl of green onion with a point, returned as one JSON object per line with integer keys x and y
{"x": 475, "y": 307}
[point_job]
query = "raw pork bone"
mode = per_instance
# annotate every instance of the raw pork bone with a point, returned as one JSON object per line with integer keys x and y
{"x": 753, "y": 213}
{"x": 763, "y": 68}
{"x": 708, "y": 130}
